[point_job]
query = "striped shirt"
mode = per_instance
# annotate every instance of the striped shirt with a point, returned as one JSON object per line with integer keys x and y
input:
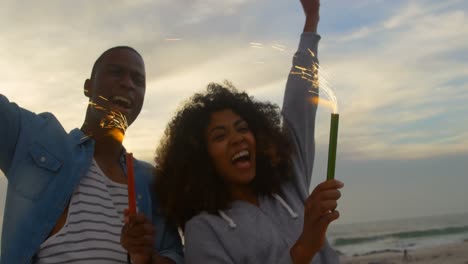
{"x": 94, "y": 222}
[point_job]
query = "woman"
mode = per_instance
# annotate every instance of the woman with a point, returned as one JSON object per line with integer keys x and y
{"x": 236, "y": 182}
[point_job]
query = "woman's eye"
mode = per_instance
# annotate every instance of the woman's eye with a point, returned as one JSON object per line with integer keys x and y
{"x": 244, "y": 129}
{"x": 218, "y": 137}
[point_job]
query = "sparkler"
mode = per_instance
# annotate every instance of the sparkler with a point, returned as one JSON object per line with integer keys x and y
{"x": 130, "y": 184}
{"x": 117, "y": 124}
{"x": 332, "y": 145}
{"x": 318, "y": 80}
{"x": 311, "y": 75}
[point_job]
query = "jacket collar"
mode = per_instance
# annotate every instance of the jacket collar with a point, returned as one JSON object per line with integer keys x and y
{"x": 79, "y": 137}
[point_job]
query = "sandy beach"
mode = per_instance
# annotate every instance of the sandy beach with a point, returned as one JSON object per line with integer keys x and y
{"x": 450, "y": 254}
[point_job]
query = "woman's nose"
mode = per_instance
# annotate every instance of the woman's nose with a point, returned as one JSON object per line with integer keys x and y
{"x": 237, "y": 138}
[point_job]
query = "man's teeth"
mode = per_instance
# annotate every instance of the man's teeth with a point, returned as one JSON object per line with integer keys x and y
{"x": 120, "y": 99}
{"x": 241, "y": 154}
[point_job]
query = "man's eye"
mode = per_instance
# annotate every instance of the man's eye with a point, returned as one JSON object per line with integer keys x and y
{"x": 244, "y": 129}
{"x": 139, "y": 81}
{"x": 115, "y": 71}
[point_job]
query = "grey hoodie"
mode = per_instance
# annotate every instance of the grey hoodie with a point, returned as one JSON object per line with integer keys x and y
{"x": 249, "y": 234}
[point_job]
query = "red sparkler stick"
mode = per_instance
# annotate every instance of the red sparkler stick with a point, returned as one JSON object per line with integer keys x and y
{"x": 131, "y": 184}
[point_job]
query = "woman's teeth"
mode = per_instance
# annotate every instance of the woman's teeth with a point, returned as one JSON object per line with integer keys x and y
{"x": 242, "y": 154}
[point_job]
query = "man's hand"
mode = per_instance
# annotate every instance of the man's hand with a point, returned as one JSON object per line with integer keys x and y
{"x": 319, "y": 212}
{"x": 311, "y": 10}
{"x": 138, "y": 237}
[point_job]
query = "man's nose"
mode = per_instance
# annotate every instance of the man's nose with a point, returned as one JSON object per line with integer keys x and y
{"x": 126, "y": 81}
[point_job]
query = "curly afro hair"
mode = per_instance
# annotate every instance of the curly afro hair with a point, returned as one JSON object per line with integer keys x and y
{"x": 187, "y": 183}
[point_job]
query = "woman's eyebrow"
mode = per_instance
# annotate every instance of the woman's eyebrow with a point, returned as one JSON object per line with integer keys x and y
{"x": 239, "y": 122}
{"x": 223, "y": 128}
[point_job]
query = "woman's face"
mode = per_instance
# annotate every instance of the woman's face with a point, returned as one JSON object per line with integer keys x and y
{"x": 231, "y": 146}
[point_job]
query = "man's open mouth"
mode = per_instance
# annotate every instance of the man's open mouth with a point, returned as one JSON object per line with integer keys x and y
{"x": 121, "y": 102}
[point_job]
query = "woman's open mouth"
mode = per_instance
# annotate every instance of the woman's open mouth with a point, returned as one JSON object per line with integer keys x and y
{"x": 241, "y": 160}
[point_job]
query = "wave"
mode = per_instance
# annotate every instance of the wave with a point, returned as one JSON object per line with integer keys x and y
{"x": 402, "y": 235}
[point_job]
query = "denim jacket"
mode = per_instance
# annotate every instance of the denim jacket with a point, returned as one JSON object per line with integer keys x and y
{"x": 43, "y": 165}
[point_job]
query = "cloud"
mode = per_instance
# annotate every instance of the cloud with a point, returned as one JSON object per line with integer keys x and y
{"x": 414, "y": 11}
{"x": 407, "y": 14}
{"x": 396, "y": 85}
{"x": 167, "y": 93}
{"x": 399, "y": 68}
{"x": 201, "y": 10}
{"x": 401, "y": 80}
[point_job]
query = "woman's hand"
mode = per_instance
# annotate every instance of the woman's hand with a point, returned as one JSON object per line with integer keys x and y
{"x": 311, "y": 10}
{"x": 319, "y": 212}
{"x": 138, "y": 237}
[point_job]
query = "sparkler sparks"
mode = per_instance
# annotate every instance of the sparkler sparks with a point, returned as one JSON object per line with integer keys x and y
{"x": 278, "y": 47}
{"x": 256, "y": 45}
{"x": 318, "y": 78}
{"x": 86, "y": 136}
{"x": 326, "y": 87}
{"x": 103, "y": 98}
{"x": 112, "y": 119}
{"x": 322, "y": 81}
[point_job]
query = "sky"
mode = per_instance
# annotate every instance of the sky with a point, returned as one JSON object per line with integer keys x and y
{"x": 398, "y": 68}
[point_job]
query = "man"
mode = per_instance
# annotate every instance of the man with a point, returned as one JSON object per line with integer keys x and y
{"x": 67, "y": 192}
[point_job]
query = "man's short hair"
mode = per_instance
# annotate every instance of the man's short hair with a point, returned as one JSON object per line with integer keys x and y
{"x": 98, "y": 61}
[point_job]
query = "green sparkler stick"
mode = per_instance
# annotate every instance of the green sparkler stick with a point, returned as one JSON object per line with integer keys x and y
{"x": 332, "y": 146}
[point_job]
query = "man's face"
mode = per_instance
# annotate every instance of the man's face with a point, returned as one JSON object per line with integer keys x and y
{"x": 119, "y": 83}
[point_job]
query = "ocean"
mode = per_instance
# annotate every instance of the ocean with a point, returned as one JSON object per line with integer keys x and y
{"x": 397, "y": 235}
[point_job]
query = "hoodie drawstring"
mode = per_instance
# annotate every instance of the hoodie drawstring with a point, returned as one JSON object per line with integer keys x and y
{"x": 227, "y": 219}
{"x": 285, "y": 205}
{"x": 233, "y": 225}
